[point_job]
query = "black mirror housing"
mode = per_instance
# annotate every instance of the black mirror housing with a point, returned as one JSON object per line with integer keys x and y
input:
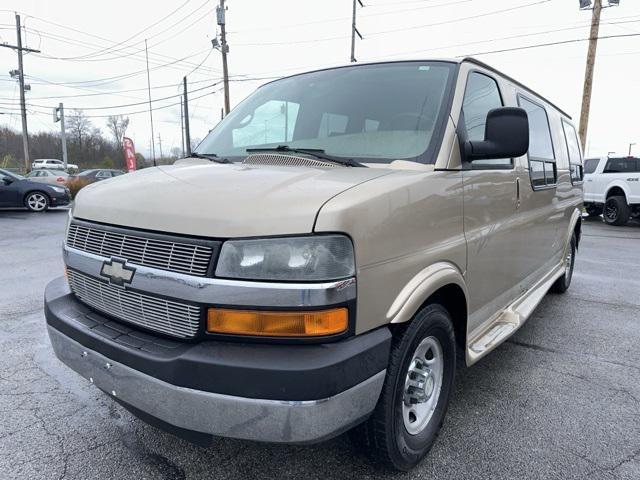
{"x": 506, "y": 135}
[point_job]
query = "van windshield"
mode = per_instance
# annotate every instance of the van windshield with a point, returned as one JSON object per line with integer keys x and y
{"x": 371, "y": 113}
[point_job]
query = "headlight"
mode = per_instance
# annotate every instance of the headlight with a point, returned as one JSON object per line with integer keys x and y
{"x": 59, "y": 189}
{"x": 312, "y": 258}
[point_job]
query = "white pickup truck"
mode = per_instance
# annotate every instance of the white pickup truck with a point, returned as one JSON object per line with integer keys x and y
{"x": 612, "y": 188}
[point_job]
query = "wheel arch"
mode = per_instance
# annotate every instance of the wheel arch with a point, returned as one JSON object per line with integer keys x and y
{"x": 441, "y": 283}
{"x": 35, "y": 190}
{"x": 616, "y": 189}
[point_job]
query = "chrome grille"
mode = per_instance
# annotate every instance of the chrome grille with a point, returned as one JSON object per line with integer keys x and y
{"x": 159, "y": 314}
{"x": 174, "y": 256}
{"x": 286, "y": 161}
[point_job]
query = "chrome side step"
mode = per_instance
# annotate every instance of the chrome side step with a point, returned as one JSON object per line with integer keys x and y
{"x": 508, "y": 321}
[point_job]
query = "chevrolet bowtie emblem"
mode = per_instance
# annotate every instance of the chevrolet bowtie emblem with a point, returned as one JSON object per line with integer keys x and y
{"x": 117, "y": 271}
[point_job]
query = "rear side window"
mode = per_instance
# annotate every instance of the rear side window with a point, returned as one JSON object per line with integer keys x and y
{"x": 481, "y": 95}
{"x": 575, "y": 159}
{"x": 590, "y": 165}
{"x": 621, "y": 165}
{"x": 542, "y": 163}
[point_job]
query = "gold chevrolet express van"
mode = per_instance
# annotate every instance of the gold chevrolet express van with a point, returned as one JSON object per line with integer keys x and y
{"x": 324, "y": 258}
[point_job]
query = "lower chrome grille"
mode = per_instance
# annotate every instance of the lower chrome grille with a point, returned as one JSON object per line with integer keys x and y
{"x": 165, "y": 316}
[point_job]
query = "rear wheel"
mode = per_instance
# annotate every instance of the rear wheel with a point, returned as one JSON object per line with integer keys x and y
{"x": 562, "y": 284}
{"x": 616, "y": 211}
{"x": 415, "y": 395}
{"x": 36, "y": 201}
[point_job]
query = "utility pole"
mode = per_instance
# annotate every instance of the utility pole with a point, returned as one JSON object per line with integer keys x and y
{"x": 58, "y": 116}
{"x": 160, "y": 143}
{"x": 354, "y": 31}
{"x": 224, "y": 48}
{"x": 182, "y": 127}
{"x": 20, "y": 74}
{"x": 153, "y": 146}
{"x": 591, "y": 59}
{"x": 630, "y": 145}
{"x": 187, "y": 134}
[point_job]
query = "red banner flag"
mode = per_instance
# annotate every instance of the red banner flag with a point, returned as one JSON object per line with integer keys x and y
{"x": 129, "y": 154}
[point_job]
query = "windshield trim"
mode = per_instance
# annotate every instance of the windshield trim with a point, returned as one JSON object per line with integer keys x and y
{"x": 429, "y": 156}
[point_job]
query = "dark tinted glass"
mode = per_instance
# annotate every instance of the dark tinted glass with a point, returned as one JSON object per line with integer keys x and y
{"x": 540, "y": 145}
{"x": 590, "y": 165}
{"x": 621, "y": 165}
{"x": 537, "y": 173}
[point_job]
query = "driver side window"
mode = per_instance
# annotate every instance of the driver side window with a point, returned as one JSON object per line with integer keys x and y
{"x": 481, "y": 95}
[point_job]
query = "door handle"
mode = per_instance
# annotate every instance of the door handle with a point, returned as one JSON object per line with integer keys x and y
{"x": 517, "y": 192}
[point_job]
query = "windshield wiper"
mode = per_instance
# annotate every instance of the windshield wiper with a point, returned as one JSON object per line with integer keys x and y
{"x": 210, "y": 156}
{"x": 314, "y": 152}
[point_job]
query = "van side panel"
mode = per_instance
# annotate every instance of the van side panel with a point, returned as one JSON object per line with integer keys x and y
{"x": 415, "y": 223}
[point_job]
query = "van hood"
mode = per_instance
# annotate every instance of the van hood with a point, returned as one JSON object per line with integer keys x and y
{"x": 219, "y": 200}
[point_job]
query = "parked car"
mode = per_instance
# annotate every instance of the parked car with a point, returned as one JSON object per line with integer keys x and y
{"x": 50, "y": 163}
{"x": 331, "y": 248}
{"x": 95, "y": 175}
{"x": 18, "y": 192}
{"x": 612, "y": 188}
{"x": 50, "y": 177}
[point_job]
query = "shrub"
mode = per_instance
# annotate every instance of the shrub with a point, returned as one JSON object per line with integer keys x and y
{"x": 76, "y": 184}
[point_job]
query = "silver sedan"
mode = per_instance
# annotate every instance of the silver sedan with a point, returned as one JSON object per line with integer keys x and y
{"x": 50, "y": 177}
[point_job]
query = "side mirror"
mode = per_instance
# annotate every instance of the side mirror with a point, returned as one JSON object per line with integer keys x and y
{"x": 7, "y": 180}
{"x": 506, "y": 135}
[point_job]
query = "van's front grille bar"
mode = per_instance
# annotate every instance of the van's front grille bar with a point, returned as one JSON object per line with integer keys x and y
{"x": 138, "y": 249}
{"x": 158, "y": 314}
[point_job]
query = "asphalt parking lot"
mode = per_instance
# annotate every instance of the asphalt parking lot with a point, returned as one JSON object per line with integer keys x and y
{"x": 560, "y": 400}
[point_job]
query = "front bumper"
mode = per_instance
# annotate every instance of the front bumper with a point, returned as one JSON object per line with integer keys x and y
{"x": 273, "y": 393}
{"x": 60, "y": 199}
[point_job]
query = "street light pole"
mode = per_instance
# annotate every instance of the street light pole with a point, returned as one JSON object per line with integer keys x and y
{"x": 630, "y": 145}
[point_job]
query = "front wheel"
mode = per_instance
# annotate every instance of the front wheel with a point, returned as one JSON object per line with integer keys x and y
{"x": 415, "y": 395}
{"x": 36, "y": 202}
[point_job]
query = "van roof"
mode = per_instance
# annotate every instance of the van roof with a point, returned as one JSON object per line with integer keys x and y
{"x": 444, "y": 60}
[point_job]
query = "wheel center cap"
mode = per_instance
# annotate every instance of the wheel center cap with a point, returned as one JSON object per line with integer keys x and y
{"x": 420, "y": 385}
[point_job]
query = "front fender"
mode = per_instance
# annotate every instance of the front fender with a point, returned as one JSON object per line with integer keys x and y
{"x": 421, "y": 287}
{"x": 576, "y": 216}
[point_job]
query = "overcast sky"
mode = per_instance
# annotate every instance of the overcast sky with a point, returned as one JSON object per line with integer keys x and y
{"x": 93, "y": 54}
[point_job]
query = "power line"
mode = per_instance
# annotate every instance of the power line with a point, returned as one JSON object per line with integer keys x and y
{"x": 510, "y": 37}
{"x": 548, "y": 44}
{"x": 114, "y": 92}
{"x": 459, "y": 19}
{"x": 143, "y": 30}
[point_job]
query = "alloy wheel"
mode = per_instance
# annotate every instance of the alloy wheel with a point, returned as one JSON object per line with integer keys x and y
{"x": 37, "y": 202}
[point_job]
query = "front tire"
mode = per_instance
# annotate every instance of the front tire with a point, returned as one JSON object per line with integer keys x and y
{"x": 415, "y": 395}
{"x": 616, "y": 211}
{"x": 36, "y": 202}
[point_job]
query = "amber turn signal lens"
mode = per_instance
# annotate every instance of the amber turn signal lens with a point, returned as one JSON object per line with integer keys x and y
{"x": 277, "y": 324}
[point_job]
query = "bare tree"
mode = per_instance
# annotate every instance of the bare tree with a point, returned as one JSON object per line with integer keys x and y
{"x": 79, "y": 127}
{"x": 117, "y": 125}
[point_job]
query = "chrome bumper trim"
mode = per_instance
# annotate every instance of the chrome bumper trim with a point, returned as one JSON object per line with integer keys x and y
{"x": 189, "y": 288}
{"x": 217, "y": 414}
